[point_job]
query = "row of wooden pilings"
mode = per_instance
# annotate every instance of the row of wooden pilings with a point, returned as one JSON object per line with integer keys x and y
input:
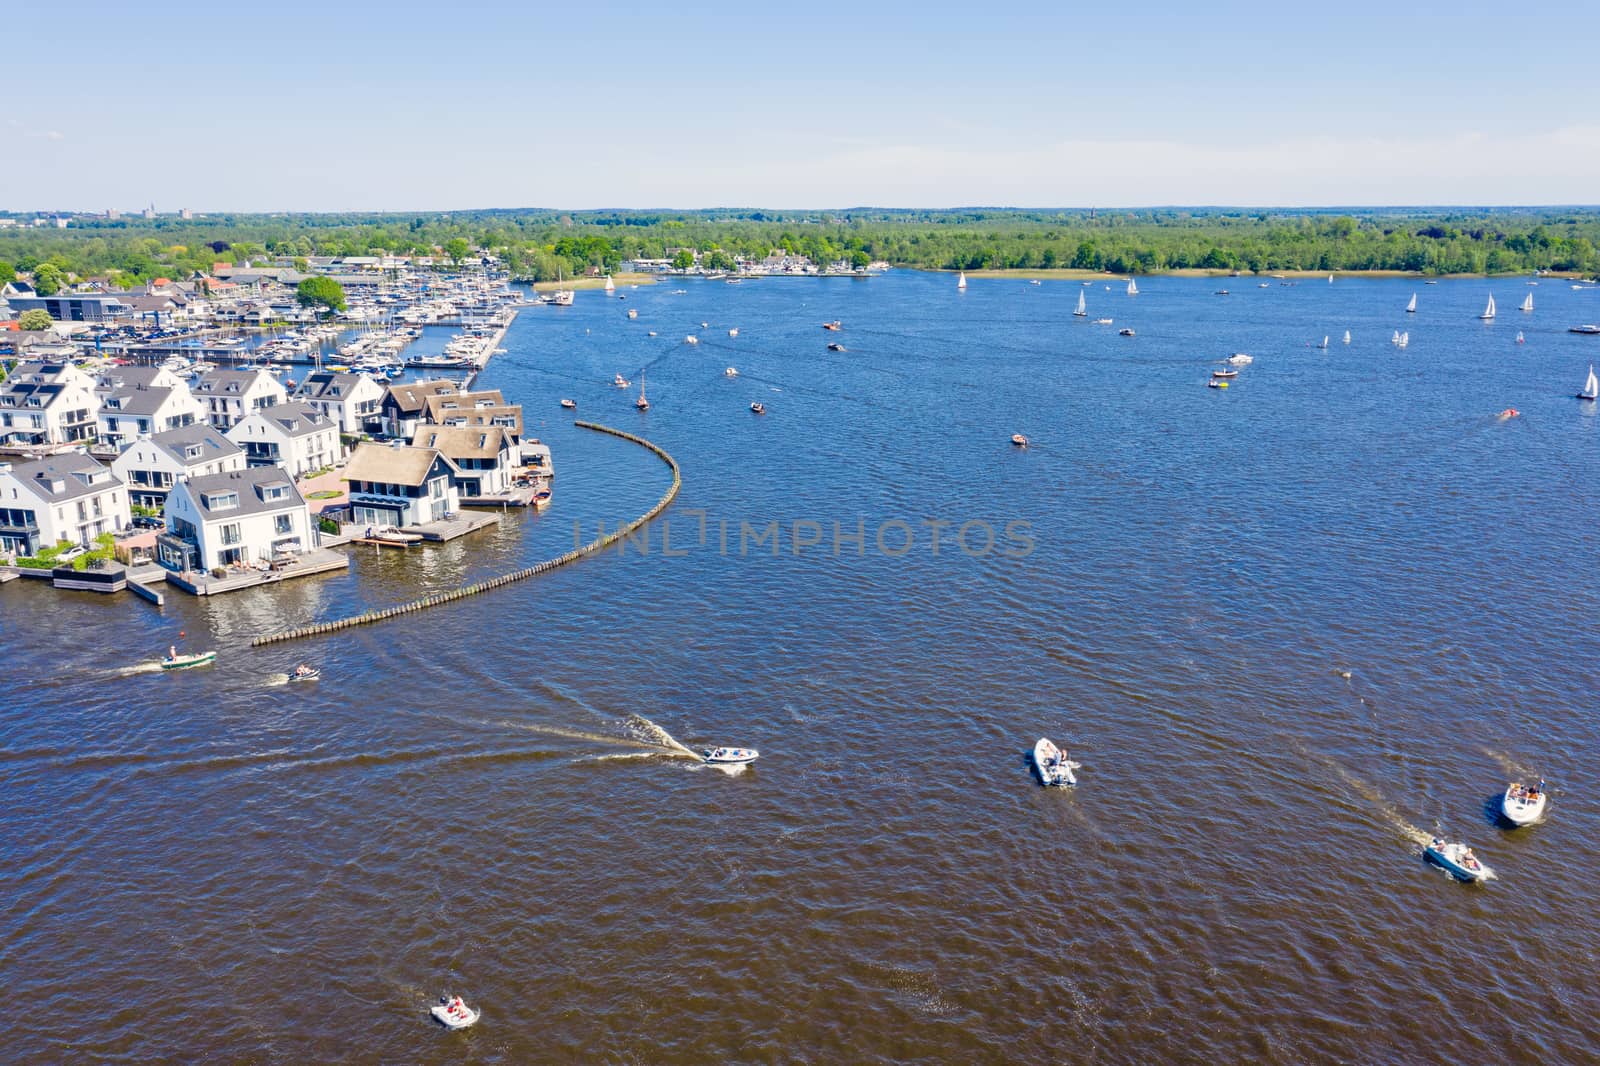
{"x": 600, "y": 544}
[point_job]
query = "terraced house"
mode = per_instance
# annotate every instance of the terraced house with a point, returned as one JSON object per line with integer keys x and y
{"x": 63, "y": 498}
{"x": 47, "y": 403}
{"x": 151, "y": 467}
{"x": 295, "y": 436}
{"x": 229, "y": 395}
{"x": 239, "y": 518}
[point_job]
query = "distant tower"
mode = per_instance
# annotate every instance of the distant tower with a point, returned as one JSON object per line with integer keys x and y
{"x": 150, "y": 212}
{"x": 185, "y": 213}
{"x": 113, "y": 214}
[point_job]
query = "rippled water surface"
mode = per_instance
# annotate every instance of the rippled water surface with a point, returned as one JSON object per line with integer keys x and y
{"x": 1289, "y": 629}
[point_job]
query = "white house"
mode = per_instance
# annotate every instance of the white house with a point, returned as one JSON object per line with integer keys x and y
{"x": 229, "y": 395}
{"x": 142, "y": 401}
{"x": 483, "y": 456}
{"x": 65, "y": 497}
{"x": 349, "y": 399}
{"x": 295, "y": 436}
{"x": 47, "y": 403}
{"x": 394, "y": 485}
{"x": 239, "y": 518}
{"x": 151, "y": 467}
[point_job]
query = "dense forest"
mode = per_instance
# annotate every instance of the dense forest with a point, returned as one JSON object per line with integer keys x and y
{"x": 542, "y": 244}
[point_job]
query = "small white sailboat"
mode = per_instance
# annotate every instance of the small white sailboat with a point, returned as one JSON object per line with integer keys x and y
{"x": 961, "y": 281}
{"x": 1395, "y": 340}
{"x": 1458, "y": 860}
{"x": 1591, "y": 386}
{"x": 1411, "y": 308}
{"x": 1405, "y": 339}
{"x": 453, "y": 1013}
{"x": 1052, "y": 765}
{"x": 1523, "y": 804}
{"x": 610, "y": 285}
{"x": 1519, "y": 337}
{"x": 726, "y": 756}
{"x": 1083, "y": 308}
{"x": 1133, "y": 287}
{"x": 1488, "y": 312}
{"x": 641, "y": 403}
{"x": 1324, "y": 343}
{"x": 1330, "y": 279}
{"x": 1347, "y": 336}
{"x": 1527, "y": 303}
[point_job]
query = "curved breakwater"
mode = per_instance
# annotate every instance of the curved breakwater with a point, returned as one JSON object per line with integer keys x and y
{"x": 438, "y": 599}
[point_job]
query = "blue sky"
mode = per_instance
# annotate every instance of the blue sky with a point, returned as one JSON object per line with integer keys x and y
{"x": 324, "y": 106}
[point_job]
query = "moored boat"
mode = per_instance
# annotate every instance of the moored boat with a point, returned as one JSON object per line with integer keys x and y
{"x": 1224, "y": 373}
{"x": 1523, "y": 804}
{"x": 1458, "y": 860}
{"x": 730, "y": 756}
{"x": 641, "y": 403}
{"x": 1052, "y": 765}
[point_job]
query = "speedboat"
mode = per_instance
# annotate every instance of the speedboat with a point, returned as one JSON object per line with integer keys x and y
{"x": 1124, "y": 332}
{"x": 394, "y": 534}
{"x": 691, "y": 339}
{"x": 1523, "y": 804}
{"x": 571, "y": 405}
{"x": 304, "y": 673}
{"x": 1240, "y": 359}
{"x": 621, "y": 382}
{"x": 730, "y": 373}
{"x": 183, "y": 662}
{"x": 1586, "y": 329}
{"x": 1019, "y": 440}
{"x": 1102, "y": 321}
{"x": 1052, "y": 765}
{"x": 1458, "y": 860}
{"x": 1509, "y": 412}
{"x": 733, "y": 332}
{"x": 834, "y": 326}
{"x": 633, "y": 313}
{"x": 452, "y": 1013}
{"x": 730, "y": 756}
{"x": 758, "y": 408}
{"x": 836, "y": 347}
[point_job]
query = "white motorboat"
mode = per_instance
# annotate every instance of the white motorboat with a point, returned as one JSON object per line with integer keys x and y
{"x": 1240, "y": 359}
{"x": 691, "y": 339}
{"x": 304, "y": 673}
{"x": 621, "y": 382}
{"x": 452, "y": 1013}
{"x": 730, "y": 756}
{"x": 1523, "y": 804}
{"x": 394, "y": 535}
{"x": 1052, "y": 765}
{"x": 1458, "y": 860}
{"x": 730, "y": 373}
{"x": 734, "y": 332}
{"x": 570, "y": 405}
{"x": 174, "y": 661}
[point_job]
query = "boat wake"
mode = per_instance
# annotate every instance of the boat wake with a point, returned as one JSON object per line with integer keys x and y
{"x": 275, "y": 680}
{"x": 648, "y": 732}
{"x": 1375, "y": 800}
{"x": 137, "y": 668}
{"x": 1513, "y": 769}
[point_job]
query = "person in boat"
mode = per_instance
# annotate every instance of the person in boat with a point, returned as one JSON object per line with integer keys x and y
{"x": 172, "y": 651}
{"x": 302, "y": 670}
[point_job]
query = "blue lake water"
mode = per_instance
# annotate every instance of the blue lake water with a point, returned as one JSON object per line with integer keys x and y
{"x": 1289, "y": 628}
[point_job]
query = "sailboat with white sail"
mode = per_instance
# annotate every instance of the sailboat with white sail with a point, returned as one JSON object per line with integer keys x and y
{"x": 1083, "y": 309}
{"x": 1591, "y": 387}
{"x": 961, "y": 281}
{"x": 1411, "y": 308}
{"x": 1133, "y": 287}
{"x": 610, "y": 285}
{"x": 1395, "y": 340}
{"x": 1324, "y": 344}
{"x": 1347, "y": 336}
{"x": 1527, "y": 303}
{"x": 1488, "y": 312}
{"x": 1405, "y": 339}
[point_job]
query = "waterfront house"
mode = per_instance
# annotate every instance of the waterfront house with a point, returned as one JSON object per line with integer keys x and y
{"x": 404, "y": 405}
{"x": 67, "y": 497}
{"x": 506, "y": 416}
{"x": 151, "y": 467}
{"x": 242, "y": 517}
{"x": 295, "y": 436}
{"x": 140, "y": 401}
{"x": 484, "y": 457}
{"x": 350, "y": 399}
{"x": 47, "y": 403}
{"x": 396, "y": 485}
{"x": 229, "y": 395}
{"x": 74, "y": 306}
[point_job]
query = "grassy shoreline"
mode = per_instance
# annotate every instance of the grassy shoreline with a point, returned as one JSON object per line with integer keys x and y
{"x": 619, "y": 280}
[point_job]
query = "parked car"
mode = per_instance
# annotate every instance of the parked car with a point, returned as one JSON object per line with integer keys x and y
{"x": 72, "y": 553}
{"x": 146, "y": 522}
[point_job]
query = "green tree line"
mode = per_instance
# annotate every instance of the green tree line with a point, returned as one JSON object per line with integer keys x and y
{"x": 544, "y": 245}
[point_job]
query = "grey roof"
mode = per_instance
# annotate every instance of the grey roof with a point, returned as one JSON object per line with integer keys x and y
{"x": 33, "y": 379}
{"x": 249, "y": 485}
{"x": 212, "y": 444}
{"x": 328, "y": 385}
{"x": 296, "y": 419}
{"x": 217, "y": 382}
{"x": 126, "y": 377}
{"x": 139, "y": 400}
{"x": 69, "y": 471}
